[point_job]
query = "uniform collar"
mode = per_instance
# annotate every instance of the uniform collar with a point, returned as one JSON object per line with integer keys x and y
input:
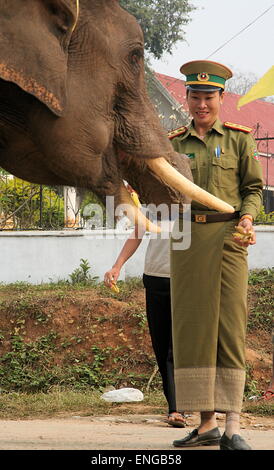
{"x": 217, "y": 126}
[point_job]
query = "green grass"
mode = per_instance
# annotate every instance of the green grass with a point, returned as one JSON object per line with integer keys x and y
{"x": 259, "y": 408}
{"x": 59, "y": 402}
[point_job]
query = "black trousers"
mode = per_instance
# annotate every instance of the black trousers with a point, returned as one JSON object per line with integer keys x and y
{"x": 158, "y": 309}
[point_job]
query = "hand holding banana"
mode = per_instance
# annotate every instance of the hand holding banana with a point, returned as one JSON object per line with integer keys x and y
{"x": 111, "y": 278}
{"x": 112, "y": 275}
{"x": 244, "y": 234}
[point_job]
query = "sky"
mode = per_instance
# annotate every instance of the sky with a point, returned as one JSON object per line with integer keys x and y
{"x": 215, "y": 22}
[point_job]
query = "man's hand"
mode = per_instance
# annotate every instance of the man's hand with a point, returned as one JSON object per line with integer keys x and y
{"x": 111, "y": 277}
{"x": 245, "y": 235}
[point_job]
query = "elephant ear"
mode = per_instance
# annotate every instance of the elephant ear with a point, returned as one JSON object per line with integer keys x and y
{"x": 34, "y": 39}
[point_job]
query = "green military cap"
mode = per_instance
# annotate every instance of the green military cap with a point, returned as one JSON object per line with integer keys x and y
{"x": 205, "y": 75}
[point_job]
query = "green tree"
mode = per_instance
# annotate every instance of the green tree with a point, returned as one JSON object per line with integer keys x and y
{"x": 161, "y": 21}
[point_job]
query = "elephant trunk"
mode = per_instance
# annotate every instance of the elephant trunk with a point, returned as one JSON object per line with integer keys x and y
{"x": 134, "y": 213}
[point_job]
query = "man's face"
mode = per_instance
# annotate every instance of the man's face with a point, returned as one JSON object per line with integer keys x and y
{"x": 204, "y": 106}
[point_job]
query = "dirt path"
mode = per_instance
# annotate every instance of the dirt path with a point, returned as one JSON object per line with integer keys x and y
{"x": 143, "y": 432}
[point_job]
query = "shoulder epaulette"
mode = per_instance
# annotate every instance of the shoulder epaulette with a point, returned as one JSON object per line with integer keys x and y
{"x": 237, "y": 127}
{"x": 177, "y": 132}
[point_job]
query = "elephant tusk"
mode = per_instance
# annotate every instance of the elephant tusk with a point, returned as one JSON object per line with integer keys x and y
{"x": 173, "y": 178}
{"x": 134, "y": 213}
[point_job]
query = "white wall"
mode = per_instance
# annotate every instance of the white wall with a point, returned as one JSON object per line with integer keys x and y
{"x": 261, "y": 255}
{"x": 37, "y": 257}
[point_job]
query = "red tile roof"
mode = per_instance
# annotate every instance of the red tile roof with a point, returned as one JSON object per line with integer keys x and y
{"x": 259, "y": 115}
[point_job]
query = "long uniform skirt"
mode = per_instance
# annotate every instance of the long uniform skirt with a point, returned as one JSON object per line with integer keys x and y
{"x": 209, "y": 313}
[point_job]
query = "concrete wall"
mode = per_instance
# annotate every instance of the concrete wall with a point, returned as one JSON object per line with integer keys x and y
{"x": 37, "y": 257}
{"x": 261, "y": 255}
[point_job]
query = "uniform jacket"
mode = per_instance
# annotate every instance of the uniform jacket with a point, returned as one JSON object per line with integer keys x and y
{"x": 225, "y": 163}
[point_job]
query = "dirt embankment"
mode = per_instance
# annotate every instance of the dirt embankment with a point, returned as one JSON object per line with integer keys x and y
{"x": 88, "y": 337}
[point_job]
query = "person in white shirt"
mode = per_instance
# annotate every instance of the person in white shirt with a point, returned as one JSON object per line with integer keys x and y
{"x": 156, "y": 280}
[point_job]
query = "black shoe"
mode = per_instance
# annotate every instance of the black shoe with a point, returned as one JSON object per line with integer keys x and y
{"x": 209, "y": 438}
{"x": 235, "y": 443}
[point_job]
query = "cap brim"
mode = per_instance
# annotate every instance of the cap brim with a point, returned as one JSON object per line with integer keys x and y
{"x": 207, "y": 88}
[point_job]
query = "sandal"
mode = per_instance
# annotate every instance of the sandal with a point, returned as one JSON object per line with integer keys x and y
{"x": 176, "y": 419}
{"x": 268, "y": 394}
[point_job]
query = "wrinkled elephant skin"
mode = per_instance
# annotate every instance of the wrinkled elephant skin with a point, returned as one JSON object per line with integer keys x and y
{"x": 73, "y": 104}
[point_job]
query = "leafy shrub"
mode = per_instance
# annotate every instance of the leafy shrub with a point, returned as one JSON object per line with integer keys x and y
{"x": 27, "y": 206}
{"x": 264, "y": 218}
{"x": 81, "y": 275}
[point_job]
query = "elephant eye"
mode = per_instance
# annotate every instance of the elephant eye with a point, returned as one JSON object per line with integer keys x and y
{"x": 136, "y": 55}
{"x": 61, "y": 17}
{"x": 53, "y": 9}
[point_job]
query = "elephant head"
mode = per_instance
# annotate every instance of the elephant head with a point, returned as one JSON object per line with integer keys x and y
{"x": 73, "y": 104}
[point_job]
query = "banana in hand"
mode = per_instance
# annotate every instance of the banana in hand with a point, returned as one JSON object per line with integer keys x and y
{"x": 242, "y": 235}
{"x": 114, "y": 287}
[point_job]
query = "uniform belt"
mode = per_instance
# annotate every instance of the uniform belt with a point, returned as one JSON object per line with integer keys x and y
{"x": 208, "y": 218}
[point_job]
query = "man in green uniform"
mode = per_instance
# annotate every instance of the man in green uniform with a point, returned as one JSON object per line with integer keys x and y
{"x": 209, "y": 280}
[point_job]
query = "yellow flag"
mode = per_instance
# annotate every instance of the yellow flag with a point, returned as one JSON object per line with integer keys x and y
{"x": 264, "y": 87}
